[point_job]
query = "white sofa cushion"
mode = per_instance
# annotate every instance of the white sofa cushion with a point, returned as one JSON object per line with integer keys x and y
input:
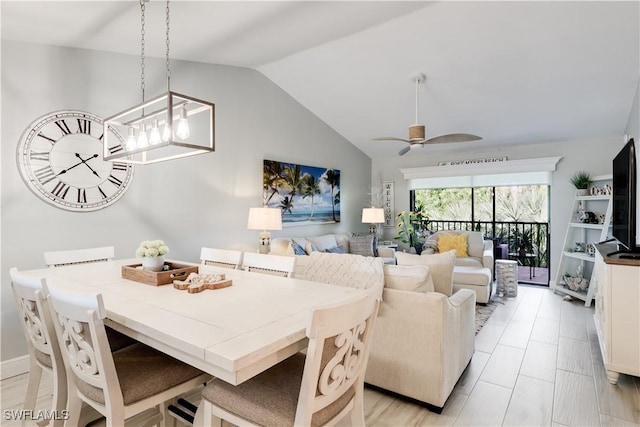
{"x": 416, "y": 278}
{"x": 354, "y": 271}
{"x": 322, "y": 243}
{"x": 440, "y": 265}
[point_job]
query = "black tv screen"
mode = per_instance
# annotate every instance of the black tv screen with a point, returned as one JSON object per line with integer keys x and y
{"x": 624, "y": 197}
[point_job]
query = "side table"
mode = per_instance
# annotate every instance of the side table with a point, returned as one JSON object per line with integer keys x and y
{"x": 506, "y": 277}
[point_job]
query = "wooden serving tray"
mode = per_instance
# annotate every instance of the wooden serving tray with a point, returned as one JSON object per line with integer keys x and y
{"x": 157, "y": 278}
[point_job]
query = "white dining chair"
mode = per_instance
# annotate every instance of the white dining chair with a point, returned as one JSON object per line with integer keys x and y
{"x": 279, "y": 265}
{"x": 55, "y": 259}
{"x": 42, "y": 342}
{"x": 78, "y": 256}
{"x": 226, "y": 258}
{"x": 135, "y": 380}
{"x": 313, "y": 390}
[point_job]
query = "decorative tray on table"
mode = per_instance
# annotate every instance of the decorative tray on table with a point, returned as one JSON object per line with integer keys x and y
{"x": 175, "y": 271}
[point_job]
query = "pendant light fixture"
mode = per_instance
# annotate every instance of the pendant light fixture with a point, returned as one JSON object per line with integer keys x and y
{"x": 170, "y": 126}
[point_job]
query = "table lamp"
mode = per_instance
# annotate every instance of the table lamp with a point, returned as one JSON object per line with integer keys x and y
{"x": 264, "y": 219}
{"x": 373, "y": 217}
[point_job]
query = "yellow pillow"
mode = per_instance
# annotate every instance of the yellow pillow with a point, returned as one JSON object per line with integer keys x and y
{"x": 458, "y": 242}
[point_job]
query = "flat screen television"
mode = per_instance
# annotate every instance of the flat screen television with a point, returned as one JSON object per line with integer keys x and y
{"x": 625, "y": 215}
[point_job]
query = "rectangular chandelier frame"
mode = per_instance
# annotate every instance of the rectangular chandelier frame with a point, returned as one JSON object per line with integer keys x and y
{"x": 152, "y": 116}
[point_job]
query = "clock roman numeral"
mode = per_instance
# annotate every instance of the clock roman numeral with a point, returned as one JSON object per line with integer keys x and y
{"x": 119, "y": 166}
{"x": 63, "y": 127}
{"x": 41, "y": 135}
{"x": 45, "y": 174}
{"x": 60, "y": 190}
{"x": 115, "y": 181}
{"x": 84, "y": 126}
{"x": 39, "y": 155}
{"x": 115, "y": 149}
{"x": 102, "y": 193}
{"x": 82, "y": 195}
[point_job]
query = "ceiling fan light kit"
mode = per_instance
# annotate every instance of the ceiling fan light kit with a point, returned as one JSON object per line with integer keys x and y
{"x": 417, "y": 131}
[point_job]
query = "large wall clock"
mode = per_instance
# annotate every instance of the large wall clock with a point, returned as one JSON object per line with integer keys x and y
{"x": 60, "y": 159}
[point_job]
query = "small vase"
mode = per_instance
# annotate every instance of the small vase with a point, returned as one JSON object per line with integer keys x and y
{"x": 153, "y": 264}
{"x": 582, "y": 192}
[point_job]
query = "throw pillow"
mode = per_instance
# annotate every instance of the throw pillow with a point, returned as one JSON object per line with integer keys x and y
{"x": 416, "y": 278}
{"x": 440, "y": 265}
{"x": 322, "y": 243}
{"x": 457, "y": 242}
{"x": 297, "y": 249}
{"x": 362, "y": 245}
{"x": 310, "y": 248}
{"x": 336, "y": 250}
{"x": 430, "y": 247}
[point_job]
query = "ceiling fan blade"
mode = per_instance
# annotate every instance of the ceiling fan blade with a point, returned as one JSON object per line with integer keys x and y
{"x": 405, "y": 150}
{"x": 389, "y": 138}
{"x": 452, "y": 137}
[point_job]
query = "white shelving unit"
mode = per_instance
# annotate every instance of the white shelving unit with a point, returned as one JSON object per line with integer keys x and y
{"x": 584, "y": 233}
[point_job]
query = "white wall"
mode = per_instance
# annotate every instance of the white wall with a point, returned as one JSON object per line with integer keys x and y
{"x": 594, "y": 156}
{"x": 189, "y": 203}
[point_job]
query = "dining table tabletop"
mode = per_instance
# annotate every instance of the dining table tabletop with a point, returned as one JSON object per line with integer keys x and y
{"x": 232, "y": 333}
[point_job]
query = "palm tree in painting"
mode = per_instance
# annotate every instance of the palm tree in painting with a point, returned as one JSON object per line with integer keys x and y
{"x": 272, "y": 178}
{"x": 286, "y": 204}
{"x": 332, "y": 176}
{"x": 292, "y": 175}
{"x": 310, "y": 187}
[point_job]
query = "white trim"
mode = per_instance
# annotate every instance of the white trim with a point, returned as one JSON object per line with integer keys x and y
{"x": 510, "y": 166}
{"x": 12, "y": 367}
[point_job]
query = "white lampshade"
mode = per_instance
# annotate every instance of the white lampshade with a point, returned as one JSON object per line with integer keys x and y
{"x": 373, "y": 215}
{"x": 264, "y": 219}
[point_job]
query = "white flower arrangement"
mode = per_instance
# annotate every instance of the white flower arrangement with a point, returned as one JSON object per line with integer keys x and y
{"x": 152, "y": 249}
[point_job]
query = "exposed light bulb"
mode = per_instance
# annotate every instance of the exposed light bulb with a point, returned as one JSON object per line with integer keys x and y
{"x": 154, "y": 137}
{"x": 142, "y": 136}
{"x": 131, "y": 139}
{"x": 166, "y": 133}
{"x": 183, "y": 124}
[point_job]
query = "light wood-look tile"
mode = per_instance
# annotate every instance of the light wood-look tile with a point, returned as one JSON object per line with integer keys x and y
{"x": 620, "y": 401}
{"x": 540, "y": 361}
{"x": 488, "y": 337}
{"x": 531, "y": 403}
{"x": 546, "y": 331}
{"x": 470, "y": 376}
{"x": 516, "y": 334}
{"x": 503, "y": 366}
{"x": 486, "y": 406}
{"x": 574, "y": 401}
{"x": 575, "y": 356}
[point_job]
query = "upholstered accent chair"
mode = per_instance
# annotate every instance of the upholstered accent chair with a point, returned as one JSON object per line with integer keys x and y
{"x": 425, "y": 332}
{"x": 315, "y": 389}
{"x": 131, "y": 382}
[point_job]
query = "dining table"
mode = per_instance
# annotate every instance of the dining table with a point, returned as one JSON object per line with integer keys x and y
{"x": 232, "y": 333}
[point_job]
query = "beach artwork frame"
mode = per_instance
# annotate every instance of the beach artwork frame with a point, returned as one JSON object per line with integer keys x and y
{"x": 304, "y": 194}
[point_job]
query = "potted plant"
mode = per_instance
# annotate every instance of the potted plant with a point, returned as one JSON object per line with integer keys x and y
{"x": 412, "y": 228}
{"x": 581, "y": 180}
{"x": 152, "y": 253}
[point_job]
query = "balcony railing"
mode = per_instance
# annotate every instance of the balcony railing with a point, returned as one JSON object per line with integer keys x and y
{"x": 532, "y": 236}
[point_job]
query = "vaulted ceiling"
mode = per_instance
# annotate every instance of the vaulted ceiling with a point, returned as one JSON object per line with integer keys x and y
{"x": 512, "y": 72}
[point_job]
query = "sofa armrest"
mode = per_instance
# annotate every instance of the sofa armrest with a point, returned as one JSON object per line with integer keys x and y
{"x": 487, "y": 254}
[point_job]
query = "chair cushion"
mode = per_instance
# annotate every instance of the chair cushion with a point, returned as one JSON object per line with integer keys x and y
{"x": 416, "y": 278}
{"x": 457, "y": 242}
{"x": 271, "y": 398}
{"x": 142, "y": 372}
{"x": 440, "y": 266}
{"x": 472, "y": 275}
{"x": 43, "y": 358}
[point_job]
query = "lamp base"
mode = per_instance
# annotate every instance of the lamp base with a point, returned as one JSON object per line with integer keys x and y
{"x": 264, "y": 242}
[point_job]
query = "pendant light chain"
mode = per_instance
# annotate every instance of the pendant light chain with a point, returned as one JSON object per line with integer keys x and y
{"x": 142, "y": 23}
{"x": 167, "y": 42}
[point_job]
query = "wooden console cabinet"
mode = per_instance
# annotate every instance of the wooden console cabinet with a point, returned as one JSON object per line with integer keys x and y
{"x": 617, "y": 312}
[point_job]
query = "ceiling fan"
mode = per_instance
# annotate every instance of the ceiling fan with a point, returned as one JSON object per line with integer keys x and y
{"x": 417, "y": 131}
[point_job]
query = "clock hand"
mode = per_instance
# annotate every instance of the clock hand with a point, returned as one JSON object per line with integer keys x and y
{"x": 87, "y": 165}
{"x": 68, "y": 169}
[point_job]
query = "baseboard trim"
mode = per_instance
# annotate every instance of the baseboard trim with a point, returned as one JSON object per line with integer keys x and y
{"x": 12, "y": 367}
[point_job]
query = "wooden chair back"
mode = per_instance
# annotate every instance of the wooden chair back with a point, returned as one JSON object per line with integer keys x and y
{"x": 42, "y": 342}
{"x": 78, "y": 256}
{"x": 279, "y": 265}
{"x": 221, "y": 257}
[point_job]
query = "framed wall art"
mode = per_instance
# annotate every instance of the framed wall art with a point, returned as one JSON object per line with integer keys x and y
{"x": 304, "y": 194}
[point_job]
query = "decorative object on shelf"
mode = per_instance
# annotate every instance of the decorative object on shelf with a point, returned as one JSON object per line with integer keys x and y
{"x": 60, "y": 159}
{"x": 576, "y": 283}
{"x": 196, "y": 283}
{"x": 373, "y": 217}
{"x": 170, "y": 126}
{"x": 581, "y": 180}
{"x": 579, "y": 247}
{"x": 265, "y": 219}
{"x": 591, "y": 249}
{"x": 606, "y": 190}
{"x": 412, "y": 228}
{"x": 152, "y": 253}
{"x": 587, "y": 217}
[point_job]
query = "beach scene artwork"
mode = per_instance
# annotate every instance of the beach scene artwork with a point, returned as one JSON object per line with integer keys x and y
{"x": 304, "y": 194}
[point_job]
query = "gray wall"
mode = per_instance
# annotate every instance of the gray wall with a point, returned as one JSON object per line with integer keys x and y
{"x": 189, "y": 203}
